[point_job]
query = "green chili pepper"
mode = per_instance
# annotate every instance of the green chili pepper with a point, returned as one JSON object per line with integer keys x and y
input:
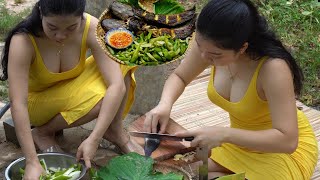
{"x": 183, "y": 49}
{"x": 151, "y": 57}
{"x": 160, "y": 38}
{"x": 149, "y": 36}
{"x": 135, "y": 54}
{"x": 111, "y": 50}
{"x": 157, "y": 56}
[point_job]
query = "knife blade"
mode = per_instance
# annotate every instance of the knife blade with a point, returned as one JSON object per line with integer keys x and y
{"x": 150, "y": 145}
{"x": 160, "y": 136}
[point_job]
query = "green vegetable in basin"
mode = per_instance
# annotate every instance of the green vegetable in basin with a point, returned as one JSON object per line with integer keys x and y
{"x": 71, "y": 173}
{"x": 131, "y": 166}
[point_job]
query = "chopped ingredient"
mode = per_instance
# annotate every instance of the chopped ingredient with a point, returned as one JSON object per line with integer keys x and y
{"x": 185, "y": 157}
{"x": 71, "y": 173}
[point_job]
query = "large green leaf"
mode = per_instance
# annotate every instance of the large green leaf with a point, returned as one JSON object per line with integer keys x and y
{"x": 168, "y": 7}
{"x": 130, "y": 2}
{"x": 133, "y": 166}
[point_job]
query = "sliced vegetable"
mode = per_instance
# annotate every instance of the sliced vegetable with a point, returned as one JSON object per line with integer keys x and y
{"x": 71, "y": 173}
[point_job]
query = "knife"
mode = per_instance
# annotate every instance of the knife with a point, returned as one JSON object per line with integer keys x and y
{"x": 160, "y": 136}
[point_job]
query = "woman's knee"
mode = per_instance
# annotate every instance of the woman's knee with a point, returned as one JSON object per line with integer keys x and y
{"x": 215, "y": 167}
{"x": 97, "y": 107}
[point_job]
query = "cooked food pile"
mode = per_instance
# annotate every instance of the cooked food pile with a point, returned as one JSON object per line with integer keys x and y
{"x": 161, "y": 29}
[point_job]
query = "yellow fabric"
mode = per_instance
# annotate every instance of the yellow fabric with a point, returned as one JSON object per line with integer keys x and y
{"x": 72, "y": 93}
{"x": 252, "y": 113}
{"x": 239, "y": 176}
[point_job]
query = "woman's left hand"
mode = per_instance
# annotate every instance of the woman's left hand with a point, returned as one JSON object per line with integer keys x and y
{"x": 87, "y": 151}
{"x": 208, "y": 136}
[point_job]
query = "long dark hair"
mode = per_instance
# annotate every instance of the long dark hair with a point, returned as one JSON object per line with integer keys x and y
{"x": 33, "y": 23}
{"x": 231, "y": 23}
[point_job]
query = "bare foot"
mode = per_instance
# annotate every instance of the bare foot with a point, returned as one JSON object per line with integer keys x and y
{"x": 123, "y": 141}
{"x": 42, "y": 140}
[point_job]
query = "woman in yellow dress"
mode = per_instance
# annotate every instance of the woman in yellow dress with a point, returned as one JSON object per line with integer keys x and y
{"x": 53, "y": 86}
{"x": 255, "y": 79}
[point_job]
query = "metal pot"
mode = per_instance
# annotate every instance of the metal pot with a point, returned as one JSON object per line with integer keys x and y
{"x": 55, "y": 160}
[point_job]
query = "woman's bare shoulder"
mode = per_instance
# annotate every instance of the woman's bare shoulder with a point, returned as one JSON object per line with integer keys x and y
{"x": 276, "y": 72}
{"x": 274, "y": 66}
{"x": 21, "y": 43}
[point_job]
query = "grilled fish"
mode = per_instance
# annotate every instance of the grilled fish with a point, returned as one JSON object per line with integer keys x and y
{"x": 165, "y": 20}
{"x": 120, "y": 10}
{"x": 181, "y": 32}
{"x": 108, "y": 24}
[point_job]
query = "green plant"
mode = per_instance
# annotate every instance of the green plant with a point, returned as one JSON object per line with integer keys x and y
{"x": 297, "y": 23}
{"x": 4, "y": 91}
{"x": 9, "y": 19}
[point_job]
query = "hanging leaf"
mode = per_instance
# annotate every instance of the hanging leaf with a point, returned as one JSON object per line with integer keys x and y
{"x": 168, "y": 7}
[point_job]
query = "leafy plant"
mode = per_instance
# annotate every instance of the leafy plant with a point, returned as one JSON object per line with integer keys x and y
{"x": 168, "y": 7}
{"x": 161, "y": 6}
{"x": 9, "y": 19}
{"x": 297, "y": 23}
{"x": 131, "y": 166}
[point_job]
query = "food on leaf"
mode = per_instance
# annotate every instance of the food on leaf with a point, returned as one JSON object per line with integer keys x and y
{"x": 158, "y": 38}
{"x": 147, "y": 5}
{"x": 132, "y": 166}
{"x": 119, "y": 38}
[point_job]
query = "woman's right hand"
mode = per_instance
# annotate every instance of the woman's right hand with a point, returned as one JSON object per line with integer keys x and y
{"x": 33, "y": 171}
{"x": 158, "y": 115}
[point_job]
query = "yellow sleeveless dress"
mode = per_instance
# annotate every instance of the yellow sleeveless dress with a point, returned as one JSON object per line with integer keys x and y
{"x": 252, "y": 113}
{"x": 72, "y": 93}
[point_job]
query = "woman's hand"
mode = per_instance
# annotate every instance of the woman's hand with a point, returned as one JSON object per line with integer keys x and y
{"x": 33, "y": 171}
{"x": 208, "y": 136}
{"x": 158, "y": 115}
{"x": 87, "y": 151}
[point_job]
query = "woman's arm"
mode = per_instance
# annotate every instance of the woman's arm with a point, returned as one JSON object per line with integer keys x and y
{"x": 112, "y": 75}
{"x": 277, "y": 84}
{"x": 21, "y": 54}
{"x": 190, "y": 68}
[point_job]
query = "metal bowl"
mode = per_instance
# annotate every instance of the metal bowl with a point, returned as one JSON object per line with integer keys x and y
{"x": 55, "y": 160}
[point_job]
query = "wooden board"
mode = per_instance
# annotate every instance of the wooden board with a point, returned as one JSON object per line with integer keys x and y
{"x": 166, "y": 149}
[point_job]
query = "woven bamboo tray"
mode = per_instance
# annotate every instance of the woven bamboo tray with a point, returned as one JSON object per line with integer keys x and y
{"x": 100, "y": 35}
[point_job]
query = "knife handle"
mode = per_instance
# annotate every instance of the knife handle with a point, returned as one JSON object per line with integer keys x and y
{"x": 189, "y": 138}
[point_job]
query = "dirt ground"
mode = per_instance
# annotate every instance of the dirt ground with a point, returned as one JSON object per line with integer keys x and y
{"x": 18, "y": 7}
